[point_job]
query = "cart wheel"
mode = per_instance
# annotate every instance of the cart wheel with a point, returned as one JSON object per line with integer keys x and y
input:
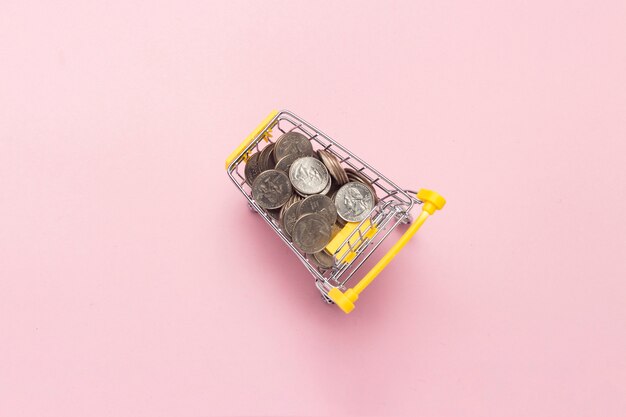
{"x": 405, "y": 218}
{"x": 326, "y": 299}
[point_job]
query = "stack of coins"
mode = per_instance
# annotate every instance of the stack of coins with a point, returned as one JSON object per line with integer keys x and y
{"x": 310, "y": 193}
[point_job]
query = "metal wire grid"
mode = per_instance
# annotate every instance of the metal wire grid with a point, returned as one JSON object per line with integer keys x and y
{"x": 393, "y": 207}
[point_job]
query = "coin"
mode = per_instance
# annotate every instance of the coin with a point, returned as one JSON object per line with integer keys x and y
{"x": 293, "y": 143}
{"x": 261, "y": 160}
{"x": 354, "y": 201}
{"x": 252, "y": 169}
{"x": 274, "y": 213}
{"x": 266, "y": 158}
{"x": 271, "y": 189}
{"x": 290, "y": 217}
{"x": 311, "y": 233}
{"x": 357, "y": 176}
{"x": 341, "y": 222}
{"x": 281, "y": 213}
{"x": 328, "y": 186}
{"x": 321, "y": 204}
{"x": 325, "y": 191}
{"x": 334, "y": 166}
{"x": 354, "y": 175}
{"x": 270, "y": 162}
{"x": 332, "y": 190}
{"x": 323, "y": 259}
{"x": 292, "y": 200}
{"x": 285, "y": 162}
{"x": 308, "y": 175}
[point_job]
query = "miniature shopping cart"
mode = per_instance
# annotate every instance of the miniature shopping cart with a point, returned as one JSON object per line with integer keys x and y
{"x": 356, "y": 242}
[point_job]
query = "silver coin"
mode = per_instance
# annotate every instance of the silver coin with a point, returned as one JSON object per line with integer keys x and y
{"x": 252, "y": 169}
{"x": 341, "y": 173}
{"x": 285, "y": 162}
{"x": 293, "y": 143}
{"x": 358, "y": 176}
{"x": 290, "y": 217}
{"x": 328, "y": 186}
{"x": 341, "y": 223}
{"x": 274, "y": 213}
{"x": 281, "y": 212}
{"x": 334, "y": 166}
{"x": 323, "y": 259}
{"x": 321, "y": 204}
{"x": 323, "y": 156}
{"x": 293, "y": 199}
{"x": 325, "y": 191}
{"x": 308, "y": 175}
{"x": 334, "y": 187}
{"x": 266, "y": 158}
{"x": 354, "y": 201}
{"x": 270, "y": 162}
{"x": 311, "y": 233}
{"x": 271, "y": 189}
{"x": 261, "y": 159}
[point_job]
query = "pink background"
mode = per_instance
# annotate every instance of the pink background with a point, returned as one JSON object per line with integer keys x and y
{"x": 134, "y": 281}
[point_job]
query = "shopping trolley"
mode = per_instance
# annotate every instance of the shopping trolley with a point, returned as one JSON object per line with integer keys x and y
{"x": 356, "y": 242}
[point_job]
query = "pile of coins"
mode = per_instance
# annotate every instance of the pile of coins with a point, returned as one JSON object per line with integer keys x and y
{"x": 309, "y": 192}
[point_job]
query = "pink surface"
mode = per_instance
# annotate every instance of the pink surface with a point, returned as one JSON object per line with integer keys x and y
{"x": 134, "y": 281}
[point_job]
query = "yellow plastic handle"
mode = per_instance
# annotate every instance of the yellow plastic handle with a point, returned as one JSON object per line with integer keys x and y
{"x": 345, "y": 300}
{"x": 250, "y": 138}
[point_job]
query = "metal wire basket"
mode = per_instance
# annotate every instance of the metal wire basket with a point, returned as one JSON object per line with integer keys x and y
{"x": 357, "y": 241}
